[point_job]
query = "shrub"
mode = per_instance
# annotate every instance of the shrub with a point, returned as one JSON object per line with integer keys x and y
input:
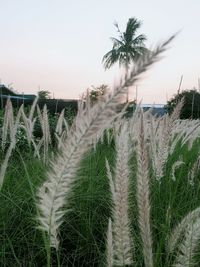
{"x": 191, "y": 107}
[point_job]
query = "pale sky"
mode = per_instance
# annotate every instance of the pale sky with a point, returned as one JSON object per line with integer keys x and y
{"x": 59, "y": 44}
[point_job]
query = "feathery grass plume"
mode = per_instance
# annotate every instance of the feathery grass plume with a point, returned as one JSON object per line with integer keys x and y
{"x": 177, "y": 134}
{"x": 161, "y": 140}
{"x": 7, "y": 123}
{"x": 60, "y": 139}
{"x": 32, "y": 110}
{"x": 143, "y": 201}
{"x": 29, "y": 123}
{"x": 108, "y": 135}
{"x": 193, "y": 171}
{"x": 178, "y": 231}
{"x": 135, "y": 124}
{"x": 154, "y": 137}
{"x": 109, "y": 246}
{"x": 121, "y": 230}
{"x": 28, "y": 127}
{"x": 46, "y": 138}
{"x": 110, "y": 178}
{"x": 175, "y": 166}
{"x": 62, "y": 129}
{"x": 187, "y": 249}
{"x": 66, "y": 125}
{"x": 59, "y": 125}
{"x": 10, "y": 148}
{"x": 158, "y": 142}
{"x": 52, "y": 194}
{"x": 188, "y": 130}
{"x": 191, "y": 132}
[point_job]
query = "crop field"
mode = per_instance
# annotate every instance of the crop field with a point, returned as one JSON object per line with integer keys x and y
{"x": 102, "y": 189}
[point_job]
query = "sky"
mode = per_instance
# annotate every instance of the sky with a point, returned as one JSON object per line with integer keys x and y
{"x": 58, "y": 45}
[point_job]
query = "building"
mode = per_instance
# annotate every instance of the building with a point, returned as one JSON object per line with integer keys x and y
{"x": 16, "y": 99}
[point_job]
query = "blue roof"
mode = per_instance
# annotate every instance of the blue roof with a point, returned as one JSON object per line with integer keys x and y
{"x": 15, "y": 97}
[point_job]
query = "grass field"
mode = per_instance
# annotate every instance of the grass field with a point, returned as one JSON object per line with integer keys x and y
{"x": 83, "y": 232}
{"x": 105, "y": 190}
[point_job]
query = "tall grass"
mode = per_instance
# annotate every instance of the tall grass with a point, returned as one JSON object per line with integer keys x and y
{"x": 111, "y": 190}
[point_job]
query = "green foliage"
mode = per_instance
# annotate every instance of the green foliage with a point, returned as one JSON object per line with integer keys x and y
{"x": 128, "y": 48}
{"x": 21, "y": 138}
{"x": 53, "y": 118}
{"x": 44, "y": 94}
{"x": 57, "y": 105}
{"x": 84, "y": 230}
{"x": 96, "y": 92}
{"x": 83, "y": 233}
{"x": 191, "y": 108}
{"x": 21, "y": 244}
{"x": 85, "y": 226}
{"x": 131, "y": 108}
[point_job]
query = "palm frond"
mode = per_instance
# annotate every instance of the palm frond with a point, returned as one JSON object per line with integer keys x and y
{"x": 132, "y": 26}
{"x": 139, "y": 40}
{"x": 110, "y": 58}
{"x": 116, "y": 42}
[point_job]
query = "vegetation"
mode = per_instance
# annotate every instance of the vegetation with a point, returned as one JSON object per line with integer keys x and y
{"x": 191, "y": 108}
{"x": 96, "y": 92}
{"x": 44, "y": 94}
{"x": 128, "y": 48}
{"x": 110, "y": 191}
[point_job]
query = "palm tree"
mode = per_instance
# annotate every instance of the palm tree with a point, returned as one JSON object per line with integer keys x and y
{"x": 128, "y": 48}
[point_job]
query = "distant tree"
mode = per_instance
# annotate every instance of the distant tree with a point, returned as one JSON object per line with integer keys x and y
{"x": 131, "y": 108}
{"x": 96, "y": 92}
{"x": 44, "y": 94}
{"x": 191, "y": 107}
